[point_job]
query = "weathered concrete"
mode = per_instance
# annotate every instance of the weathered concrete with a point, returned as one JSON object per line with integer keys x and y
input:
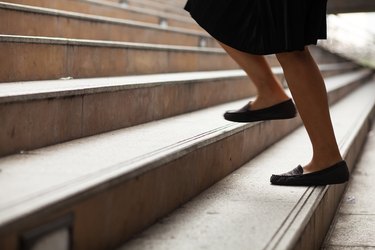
{"x": 159, "y": 6}
{"x": 42, "y": 58}
{"x": 144, "y": 172}
{"x": 354, "y": 223}
{"x": 161, "y": 156}
{"x": 78, "y": 108}
{"x": 30, "y": 21}
{"x": 102, "y": 8}
{"x": 244, "y": 212}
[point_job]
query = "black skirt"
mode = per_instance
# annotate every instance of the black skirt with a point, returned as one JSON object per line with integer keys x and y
{"x": 262, "y": 27}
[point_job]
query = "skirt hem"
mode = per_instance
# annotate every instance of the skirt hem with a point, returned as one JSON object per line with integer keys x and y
{"x": 261, "y": 30}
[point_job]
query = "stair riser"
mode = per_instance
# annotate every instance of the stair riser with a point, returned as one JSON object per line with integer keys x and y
{"x": 154, "y": 190}
{"x": 342, "y": 92}
{"x": 38, "y": 123}
{"x": 29, "y": 61}
{"x": 157, "y": 6}
{"x": 72, "y": 117}
{"x": 198, "y": 168}
{"x": 172, "y": 2}
{"x": 109, "y": 11}
{"x": 318, "y": 226}
{"x": 15, "y": 22}
{"x": 162, "y": 199}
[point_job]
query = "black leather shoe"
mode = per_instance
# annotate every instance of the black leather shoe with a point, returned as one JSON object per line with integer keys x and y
{"x": 283, "y": 110}
{"x": 335, "y": 174}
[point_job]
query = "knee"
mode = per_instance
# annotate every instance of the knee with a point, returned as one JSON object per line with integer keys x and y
{"x": 286, "y": 58}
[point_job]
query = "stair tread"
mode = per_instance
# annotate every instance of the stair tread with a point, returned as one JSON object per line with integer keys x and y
{"x": 152, "y": 5}
{"x": 40, "y": 177}
{"x": 183, "y": 15}
{"x": 354, "y": 222}
{"x": 104, "y": 43}
{"x": 97, "y": 18}
{"x": 91, "y": 85}
{"x": 81, "y": 58}
{"x": 127, "y": 8}
{"x": 243, "y": 209}
{"x": 29, "y": 90}
{"x": 37, "y": 186}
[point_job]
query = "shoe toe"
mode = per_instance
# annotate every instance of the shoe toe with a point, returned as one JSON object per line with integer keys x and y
{"x": 274, "y": 178}
{"x": 281, "y": 180}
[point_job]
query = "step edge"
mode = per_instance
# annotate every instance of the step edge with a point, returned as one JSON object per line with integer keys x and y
{"x": 99, "y": 19}
{"x": 103, "y": 88}
{"x": 76, "y": 90}
{"x": 110, "y": 176}
{"x": 161, "y": 232}
{"x": 327, "y": 242}
{"x": 314, "y": 195}
{"x": 155, "y": 6}
{"x": 142, "y": 10}
{"x": 108, "y": 44}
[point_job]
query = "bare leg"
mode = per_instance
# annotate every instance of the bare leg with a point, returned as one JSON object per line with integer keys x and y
{"x": 257, "y": 68}
{"x": 308, "y": 89}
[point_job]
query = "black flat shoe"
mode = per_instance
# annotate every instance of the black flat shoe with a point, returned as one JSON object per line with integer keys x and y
{"x": 335, "y": 174}
{"x": 283, "y": 110}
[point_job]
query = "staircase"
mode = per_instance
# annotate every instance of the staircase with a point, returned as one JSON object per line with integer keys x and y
{"x": 113, "y": 138}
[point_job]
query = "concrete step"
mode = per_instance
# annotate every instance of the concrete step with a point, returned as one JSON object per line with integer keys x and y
{"x": 243, "y": 211}
{"x": 113, "y": 10}
{"x": 26, "y": 20}
{"x": 158, "y": 6}
{"x": 353, "y": 226}
{"x": 29, "y": 57}
{"x": 178, "y": 3}
{"x": 44, "y": 58}
{"x": 168, "y": 18}
{"x": 78, "y": 108}
{"x": 139, "y": 174}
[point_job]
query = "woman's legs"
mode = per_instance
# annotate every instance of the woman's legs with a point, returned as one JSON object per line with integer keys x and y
{"x": 308, "y": 89}
{"x": 309, "y": 93}
{"x": 268, "y": 87}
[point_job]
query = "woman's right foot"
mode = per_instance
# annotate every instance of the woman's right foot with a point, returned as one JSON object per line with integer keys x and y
{"x": 267, "y": 100}
{"x": 282, "y": 110}
{"x": 335, "y": 174}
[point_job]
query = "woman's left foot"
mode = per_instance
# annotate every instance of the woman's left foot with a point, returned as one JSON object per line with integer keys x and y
{"x": 335, "y": 174}
{"x": 282, "y": 110}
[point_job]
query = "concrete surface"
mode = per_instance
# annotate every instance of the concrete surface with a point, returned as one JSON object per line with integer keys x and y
{"x": 243, "y": 211}
{"x": 354, "y": 226}
{"x": 211, "y": 120}
{"x": 100, "y": 105}
{"x": 104, "y": 8}
{"x": 79, "y": 58}
{"x": 88, "y": 172}
{"x": 31, "y": 22}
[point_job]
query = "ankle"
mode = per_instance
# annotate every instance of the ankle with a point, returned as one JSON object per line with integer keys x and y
{"x": 262, "y": 101}
{"x": 321, "y": 163}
